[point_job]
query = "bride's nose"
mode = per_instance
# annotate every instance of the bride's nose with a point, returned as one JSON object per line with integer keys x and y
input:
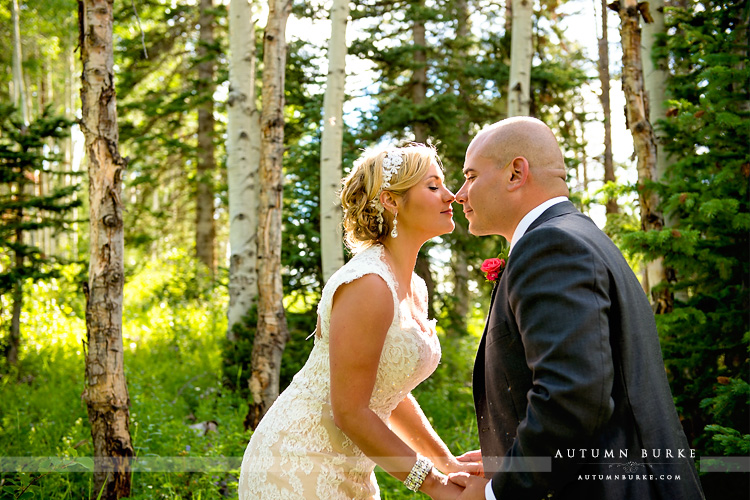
{"x": 450, "y": 197}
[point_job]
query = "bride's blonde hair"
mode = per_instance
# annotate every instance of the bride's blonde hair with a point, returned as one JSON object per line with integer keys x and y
{"x": 362, "y": 226}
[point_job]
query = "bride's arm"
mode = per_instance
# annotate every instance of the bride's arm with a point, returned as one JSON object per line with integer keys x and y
{"x": 361, "y": 315}
{"x": 410, "y": 423}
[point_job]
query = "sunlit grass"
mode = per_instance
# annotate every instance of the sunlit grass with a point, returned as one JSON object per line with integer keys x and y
{"x": 174, "y": 320}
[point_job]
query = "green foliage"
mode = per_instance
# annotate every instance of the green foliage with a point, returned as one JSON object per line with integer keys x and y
{"x": 23, "y": 158}
{"x": 174, "y": 329}
{"x": 707, "y": 243}
{"x": 28, "y": 157}
{"x": 173, "y": 369}
{"x": 237, "y": 355}
{"x": 48, "y": 37}
{"x": 729, "y": 406}
{"x": 157, "y": 100}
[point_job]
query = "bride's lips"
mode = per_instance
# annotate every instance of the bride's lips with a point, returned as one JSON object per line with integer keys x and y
{"x": 449, "y": 211}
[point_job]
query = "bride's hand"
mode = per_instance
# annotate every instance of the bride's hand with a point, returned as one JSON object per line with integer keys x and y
{"x": 438, "y": 487}
{"x": 471, "y": 456}
{"x": 470, "y": 462}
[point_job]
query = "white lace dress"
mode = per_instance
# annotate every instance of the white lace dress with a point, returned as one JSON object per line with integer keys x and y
{"x": 297, "y": 452}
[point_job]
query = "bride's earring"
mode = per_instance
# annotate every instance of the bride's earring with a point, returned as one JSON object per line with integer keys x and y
{"x": 394, "y": 231}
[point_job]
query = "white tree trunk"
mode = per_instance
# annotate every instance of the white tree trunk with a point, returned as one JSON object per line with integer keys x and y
{"x": 272, "y": 333}
{"x": 19, "y": 87}
{"x": 655, "y": 80}
{"x": 331, "y": 143}
{"x": 105, "y": 392}
{"x": 243, "y": 158}
{"x": 521, "y": 51}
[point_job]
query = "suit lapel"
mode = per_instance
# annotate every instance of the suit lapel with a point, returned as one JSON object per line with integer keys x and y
{"x": 479, "y": 360}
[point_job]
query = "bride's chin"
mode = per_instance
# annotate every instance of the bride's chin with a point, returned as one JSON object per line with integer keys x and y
{"x": 447, "y": 231}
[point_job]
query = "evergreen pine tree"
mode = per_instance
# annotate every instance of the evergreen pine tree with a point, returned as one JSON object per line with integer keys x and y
{"x": 24, "y": 155}
{"x": 705, "y": 338}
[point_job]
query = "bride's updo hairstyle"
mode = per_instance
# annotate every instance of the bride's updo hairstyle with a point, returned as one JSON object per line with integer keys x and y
{"x": 364, "y": 224}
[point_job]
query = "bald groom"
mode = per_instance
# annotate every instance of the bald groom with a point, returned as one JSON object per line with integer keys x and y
{"x": 569, "y": 384}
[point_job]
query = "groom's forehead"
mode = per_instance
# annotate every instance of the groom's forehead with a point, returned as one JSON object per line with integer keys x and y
{"x": 477, "y": 161}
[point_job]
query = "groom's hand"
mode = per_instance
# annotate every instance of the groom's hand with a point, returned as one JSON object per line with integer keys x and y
{"x": 474, "y": 486}
{"x": 474, "y": 456}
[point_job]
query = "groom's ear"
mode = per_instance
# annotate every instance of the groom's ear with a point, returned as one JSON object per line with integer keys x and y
{"x": 518, "y": 170}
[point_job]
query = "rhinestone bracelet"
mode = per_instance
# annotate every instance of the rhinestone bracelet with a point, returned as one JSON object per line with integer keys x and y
{"x": 418, "y": 473}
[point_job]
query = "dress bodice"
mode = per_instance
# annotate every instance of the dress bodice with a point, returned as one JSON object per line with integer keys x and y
{"x": 410, "y": 353}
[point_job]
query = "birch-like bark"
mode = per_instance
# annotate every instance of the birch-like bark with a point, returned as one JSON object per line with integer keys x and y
{"x": 604, "y": 97}
{"x": 19, "y": 86}
{"x": 644, "y": 141}
{"x": 243, "y": 158}
{"x": 508, "y": 17}
{"x": 272, "y": 333}
{"x": 106, "y": 392}
{"x": 521, "y": 51}
{"x": 331, "y": 143}
{"x": 205, "y": 231}
{"x": 655, "y": 80}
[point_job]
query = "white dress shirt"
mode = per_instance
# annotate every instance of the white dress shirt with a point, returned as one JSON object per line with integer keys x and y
{"x": 530, "y": 217}
{"x": 527, "y": 220}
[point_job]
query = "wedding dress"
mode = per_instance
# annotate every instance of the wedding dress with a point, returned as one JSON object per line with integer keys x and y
{"x": 297, "y": 452}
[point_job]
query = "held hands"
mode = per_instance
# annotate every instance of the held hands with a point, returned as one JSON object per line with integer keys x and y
{"x": 473, "y": 486}
{"x": 438, "y": 487}
{"x": 471, "y": 477}
{"x": 441, "y": 487}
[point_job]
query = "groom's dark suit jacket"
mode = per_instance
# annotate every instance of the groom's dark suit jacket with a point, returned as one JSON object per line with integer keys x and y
{"x": 569, "y": 366}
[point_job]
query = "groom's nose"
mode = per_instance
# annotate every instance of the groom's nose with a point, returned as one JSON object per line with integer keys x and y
{"x": 461, "y": 194}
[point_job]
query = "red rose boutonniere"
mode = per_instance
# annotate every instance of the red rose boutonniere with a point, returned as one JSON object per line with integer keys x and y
{"x": 493, "y": 268}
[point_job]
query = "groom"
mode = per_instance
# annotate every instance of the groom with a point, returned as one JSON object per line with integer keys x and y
{"x": 570, "y": 391}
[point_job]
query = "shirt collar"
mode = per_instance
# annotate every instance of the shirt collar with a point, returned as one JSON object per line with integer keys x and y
{"x": 530, "y": 217}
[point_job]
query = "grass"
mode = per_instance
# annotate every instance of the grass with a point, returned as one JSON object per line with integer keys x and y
{"x": 173, "y": 324}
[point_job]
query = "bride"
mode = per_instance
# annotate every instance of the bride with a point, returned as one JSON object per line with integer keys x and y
{"x": 350, "y": 407}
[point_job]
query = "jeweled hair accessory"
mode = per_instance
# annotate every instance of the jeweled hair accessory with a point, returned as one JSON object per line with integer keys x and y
{"x": 391, "y": 163}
